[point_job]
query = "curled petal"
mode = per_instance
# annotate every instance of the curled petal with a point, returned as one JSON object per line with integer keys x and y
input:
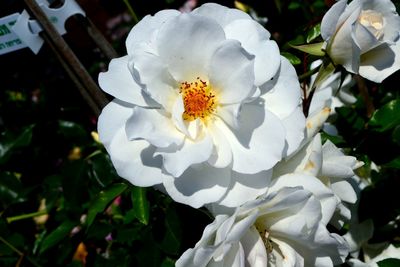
{"x": 133, "y": 160}
{"x": 198, "y": 185}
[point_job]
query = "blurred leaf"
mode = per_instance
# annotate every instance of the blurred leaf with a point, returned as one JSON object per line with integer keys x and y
{"x": 102, "y": 169}
{"x": 10, "y": 189}
{"x": 57, "y": 235}
{"x": 168, "y": 262}
{"x": 386, "y": 117}
{"x": 140, "y": 204}
{"x": 327, "y": 68}
{"x": 313, "y": 49}
{"x": 313, "y": 33}
{"x": 396, "y": 135}
{"x": 72, "y": 130}
{"x": 241, "y": 6}
{"x": 278, "y": 4}
{"x": 294, "y": 5}
{"x": 172, "y": 239}
{"x": 128, "y": 235}
{"x": 389, "y": 263}
{"x": 9, "y": 144}
{"x": 292, "y": 58}
{"x": 394, "y": 163}
{"x": 74, "y": 183}
{"x": 103, "y": 199}
{"x": 336, "y": 139}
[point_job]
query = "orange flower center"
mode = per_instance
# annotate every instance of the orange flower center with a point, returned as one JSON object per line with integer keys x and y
{"x": 198, "y": 100}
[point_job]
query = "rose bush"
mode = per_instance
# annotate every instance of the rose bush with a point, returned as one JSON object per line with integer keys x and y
{"x": 363, "y": 37}
{"x": 204, "y": 106}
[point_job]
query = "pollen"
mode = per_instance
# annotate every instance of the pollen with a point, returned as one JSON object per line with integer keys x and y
{"x": 198, "y": 100}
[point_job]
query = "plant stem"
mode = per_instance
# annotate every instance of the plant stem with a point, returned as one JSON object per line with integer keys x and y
{"x": 26, "y": 216}
{"x": 131, "y": 11}
{"x": 308, "y": 74}
{"x": 20, "y": 253}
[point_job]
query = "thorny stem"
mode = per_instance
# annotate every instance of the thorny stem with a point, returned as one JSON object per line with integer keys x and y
{"x": 131, "y": 11}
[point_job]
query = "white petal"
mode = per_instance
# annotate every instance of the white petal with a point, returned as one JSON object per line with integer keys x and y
{"x": 177, "y": 112}
{"x": 241, "y": 226}
{"x": 199, "y": 185}
{"x": 312, "y": 184}
{"x": 379, "y": 63}
{"x": 144, "y": 31}
{"x": 255, "y": 39}
{"x": 315, "y": 121}
{"x": 283, "y": 93}
{"x": 152, "y": 126}
{"x": 119, "y": 83}
{"x": 176, "y": 159}
{"x": 344, "y": 191}
{"x": 222, "y": 154}
{"x": 364, "y": 39}
{"x": 231, "y": 73}
{"x": 186, "y": 43}
{"x": 246, "y": 187}
{"x": 254, "y": 249}
{"x": 258, "y": 142}
{"x": 290, "y": 257}
{"x": 133, "y": 160}
{"x": 230, "y": 114}
{"x": 330, "y": 19}
{"x": 295, "y": 125}
{"x": 342, "y": 48}
{"x": 153, "y": 75}
{"x": 308, "y": 160}
{"x": 221, "y": 14}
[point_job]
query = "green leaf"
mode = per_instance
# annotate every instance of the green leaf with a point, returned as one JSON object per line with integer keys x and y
{"x": 396, "y": 135}
{"x": 74, "y": 183}
{"x": 294, "y": 6}
{"x": 11, "y": 190}
{"x": 57, "y": 236}
{"x": 71, "y": 129}
{"x": 102, "y": 170}
{"x": 387, "y": 117}
{"x": 103, "y": 199}
{"x": 394, "y": 163}
{"x": 168, "y": 262}
{"x": 172, "y": 239}
{"x": 313, "y": 33}
{"x": 140, "y": 204}
{"x": 326, "y": 69}
{"x": 7, "y": 146}
{"x": 313, "y": 49}
{"x": 292, "y": 58}
{"x": 389, "y": 263}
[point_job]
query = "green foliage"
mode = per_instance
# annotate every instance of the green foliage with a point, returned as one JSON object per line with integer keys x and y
{"x": 386, "y": 117}
{"x": 389, "y": 263}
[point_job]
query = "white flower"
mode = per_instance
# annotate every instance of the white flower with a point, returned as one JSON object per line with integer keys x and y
{"x": 328, "y": 94}
{"x": 363, "y": 37}
{"x": 281, "y": 228}
{"x": 204, "y": 106}
{"x": 331, "y": 167}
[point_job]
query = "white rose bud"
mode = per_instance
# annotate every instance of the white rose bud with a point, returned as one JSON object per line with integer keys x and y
{"x": 363, "y": 37}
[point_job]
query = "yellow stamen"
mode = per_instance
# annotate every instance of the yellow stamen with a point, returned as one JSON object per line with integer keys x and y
{"x": 198, "y": 100}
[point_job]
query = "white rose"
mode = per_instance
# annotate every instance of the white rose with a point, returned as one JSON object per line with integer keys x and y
{"x": 204, "y": 106}
{"x": 333, "y": 169}
{"x": 363, "y": 37}
{"x": 281, "y": 228}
